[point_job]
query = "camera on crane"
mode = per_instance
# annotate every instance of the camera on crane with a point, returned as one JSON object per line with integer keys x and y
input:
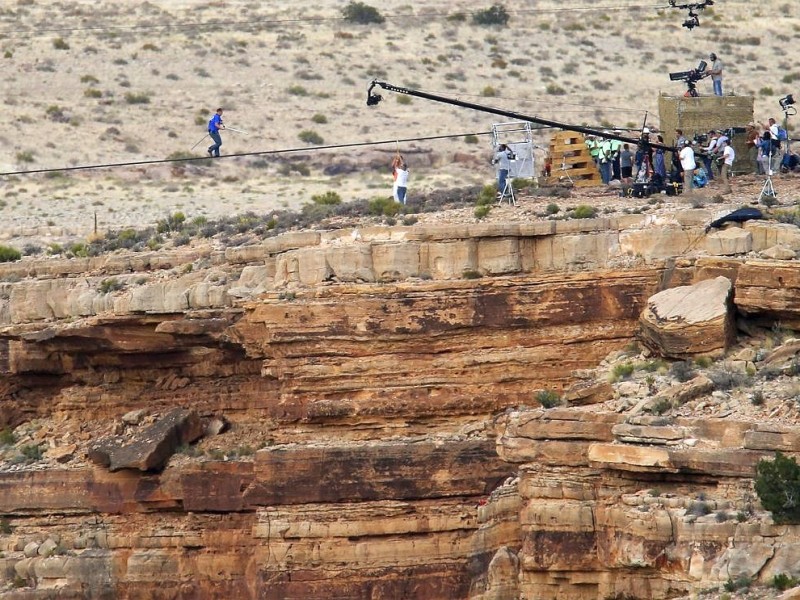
{"x": 786, "y": 101}
{"x": 691, "y": 77}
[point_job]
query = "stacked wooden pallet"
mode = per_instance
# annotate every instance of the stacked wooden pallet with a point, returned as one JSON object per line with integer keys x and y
{"x": 570, "y": 159}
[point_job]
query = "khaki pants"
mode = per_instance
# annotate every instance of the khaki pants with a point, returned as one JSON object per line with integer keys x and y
{"x": 726, "y": 184}
{"x": 687, "y": 180}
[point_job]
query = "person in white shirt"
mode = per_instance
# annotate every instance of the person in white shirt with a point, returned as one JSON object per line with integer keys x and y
{"x": 728, "y": 156}
{"x": 688, "y": 165}
{"x": 400, "y": 174}
{"x": 776, "y": 155}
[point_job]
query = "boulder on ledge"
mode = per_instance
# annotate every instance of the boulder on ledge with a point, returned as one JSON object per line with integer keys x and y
{"x": 688, "y": 321}
{"x": 151, "y": 448}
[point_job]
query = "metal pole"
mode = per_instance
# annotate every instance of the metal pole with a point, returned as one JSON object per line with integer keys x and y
{"x": 198, "y": 141}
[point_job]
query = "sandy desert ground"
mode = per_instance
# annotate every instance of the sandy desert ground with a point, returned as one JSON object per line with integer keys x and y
{"x": 96, "y": 83}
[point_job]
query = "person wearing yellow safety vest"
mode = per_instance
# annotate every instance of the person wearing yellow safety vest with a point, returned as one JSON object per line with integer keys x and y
{"x": 604, "y": 158}
{"x": 616, "y": 146}
{"x": 593, "y": 145}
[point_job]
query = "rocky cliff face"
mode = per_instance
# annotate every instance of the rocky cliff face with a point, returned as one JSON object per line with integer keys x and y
{"x": 384, "y": 439}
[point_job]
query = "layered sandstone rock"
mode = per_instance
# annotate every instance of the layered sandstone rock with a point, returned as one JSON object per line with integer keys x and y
{"x": 379, "y": 442}
{"x": 692, "y": 320}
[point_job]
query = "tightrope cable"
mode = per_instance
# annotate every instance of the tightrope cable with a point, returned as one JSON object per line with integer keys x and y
{"x": 135, "y": 163}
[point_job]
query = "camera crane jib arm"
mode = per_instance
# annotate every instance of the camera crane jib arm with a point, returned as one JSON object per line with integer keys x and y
{"x": 374, "y": 99}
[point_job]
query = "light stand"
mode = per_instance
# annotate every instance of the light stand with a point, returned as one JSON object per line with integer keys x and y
{"x": 768, "y": 190}
{"x": 565, "y": 169}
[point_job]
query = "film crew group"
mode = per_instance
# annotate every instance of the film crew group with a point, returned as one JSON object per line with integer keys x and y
{"x": 606, "y": 156}
{"x": 719, "y": 150}
{"x": 769, "y": 148}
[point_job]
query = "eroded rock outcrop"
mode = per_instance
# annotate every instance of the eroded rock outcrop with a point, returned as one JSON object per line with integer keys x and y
{"x": 379, "y": 444}
{"x": 688, "y": 321}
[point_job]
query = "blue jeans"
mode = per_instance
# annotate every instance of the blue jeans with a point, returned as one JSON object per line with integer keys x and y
{"x": 707, "y": 164}
{"x": 605, "y": 171}
{"x": 214, "y": 149}
{"x": 502, "y": 175}
{"x": 717, "y": 87}
{"x": 401, "y": 194}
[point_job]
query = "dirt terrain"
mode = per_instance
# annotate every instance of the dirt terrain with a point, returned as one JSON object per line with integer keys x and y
{"x": 90, "y": 83}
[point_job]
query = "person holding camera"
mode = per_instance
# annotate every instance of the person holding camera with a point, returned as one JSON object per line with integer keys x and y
{"x": 502, "y": 161}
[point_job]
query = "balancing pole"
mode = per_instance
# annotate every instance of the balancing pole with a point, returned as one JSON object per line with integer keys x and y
{"x": 198, "y": 141}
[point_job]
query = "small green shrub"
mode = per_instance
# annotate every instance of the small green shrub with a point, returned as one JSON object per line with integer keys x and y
{"x": 622, "y": 371}
{"x": 471, "y": 138}
{"x": 757, "y": 399}
{"x": 777, "y": 484}
{"x": 297, "y": 90}
{"x": 363, "y": 14}
{"x": 471, "y": 274}
{"x": 555, "y": 90}
{"x": 548, "y": 398}
{"x": 495, "y": 15}
{"x": 584, "y": 211}
{"x": 319, "y": 118}
{"x": 9, "y": 254}
{"x": 703, "y": 361}
{"x": 245, "y": 450}
{"x": 782, "y": 582}
{"x": 327, "y": 199}
{"x": 310, "y": 137}
{"x": 482, "y": 211}
{"x": 489, "y": 92}
{"x": 90, "y": 79}
{"x": 7, "y": 437}
{"x": 137, "y": 98}
{"x": 404, "y": 99}
{"x": 60, "y": 44}
{"x": 92, "y": 93}
{"x": 25, "y": 156}
{"x": 660, "y": 406}
{"x": 173, "y": 222}
{"x": 386, "y": 207}
{"x": 552, "y": 208}
{"x": 31, "y": 452}
{"x": 742, "y": 582}
{"x": 110, "y": 285}
{"x": 487, "y": 195}
{"x": 699, "y": 508}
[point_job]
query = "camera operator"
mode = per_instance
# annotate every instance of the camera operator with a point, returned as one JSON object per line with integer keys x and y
{"x": 502, "y": 160}
{"x": 709, "y": 152}
{"x": 716, "y": 73}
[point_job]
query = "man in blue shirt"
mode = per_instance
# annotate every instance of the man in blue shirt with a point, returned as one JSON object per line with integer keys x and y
{"x": 214, "y": 125}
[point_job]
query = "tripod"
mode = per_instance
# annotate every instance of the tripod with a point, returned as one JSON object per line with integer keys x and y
{"x": 508, "y": 192}
{"x": 768, "y": 190}
{"x": 565, "y": 169}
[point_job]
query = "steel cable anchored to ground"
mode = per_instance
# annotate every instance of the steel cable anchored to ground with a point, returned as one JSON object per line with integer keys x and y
{"x": 155, "y": 161}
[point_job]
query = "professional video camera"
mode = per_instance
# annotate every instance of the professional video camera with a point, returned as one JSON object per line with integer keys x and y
{"x": 691, "y": 77}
